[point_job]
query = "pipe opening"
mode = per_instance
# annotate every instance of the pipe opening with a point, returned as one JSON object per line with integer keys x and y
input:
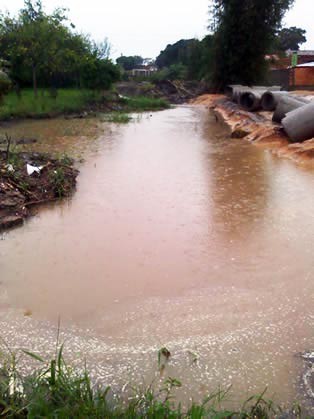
{"x": 247, "y": 100}
{"x": 268, "y": 101}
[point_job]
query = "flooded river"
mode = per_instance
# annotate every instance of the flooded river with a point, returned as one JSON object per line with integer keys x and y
{"x": 177, "y": 236}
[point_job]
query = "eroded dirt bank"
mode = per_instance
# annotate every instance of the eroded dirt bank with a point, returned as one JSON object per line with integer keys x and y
{"x": 258, "y": 128}
{"x": 174, "y": 91}
{"x": 29, "y": 179}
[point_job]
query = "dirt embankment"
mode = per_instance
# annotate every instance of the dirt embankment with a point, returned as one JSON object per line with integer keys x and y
{"x": 257, "y": 128}
{"x": 174, "y": 91}
{"x": 29, "y": 179}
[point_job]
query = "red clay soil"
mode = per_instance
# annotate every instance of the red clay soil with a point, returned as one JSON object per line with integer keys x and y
{"x": 20, "y": 192}
{"x": 257, "y": 128}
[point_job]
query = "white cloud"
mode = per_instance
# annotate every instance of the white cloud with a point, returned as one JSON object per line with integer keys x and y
{"x": 301, "y": 15}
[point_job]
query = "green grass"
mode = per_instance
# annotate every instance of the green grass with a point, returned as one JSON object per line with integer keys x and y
{"x": 141, "y": 103}
{"x": 70, "y": 101}
{"x": 58, "y": 182}
{"x": 118, "y": 118}
{"x": 67, "y": 100}
{"x": 55, "y": 390}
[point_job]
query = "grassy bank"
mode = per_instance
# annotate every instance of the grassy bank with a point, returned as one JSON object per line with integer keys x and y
{"x": 26, "y": 105}
{"x": 70, "y": 101}
{"x": 55, "y": 390}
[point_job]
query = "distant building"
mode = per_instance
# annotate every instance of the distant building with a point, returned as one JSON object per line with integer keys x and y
{"x": 143, "y": 71}
{"x": 302, "y": 75}
{"x": 304, "y": 56}
{"x": 294, "y": 72}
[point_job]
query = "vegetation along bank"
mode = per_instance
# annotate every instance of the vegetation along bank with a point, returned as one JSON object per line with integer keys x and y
{"x": 54, "y": 390}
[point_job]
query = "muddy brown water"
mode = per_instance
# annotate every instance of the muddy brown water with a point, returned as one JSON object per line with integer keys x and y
{"x": 177, "y": 236}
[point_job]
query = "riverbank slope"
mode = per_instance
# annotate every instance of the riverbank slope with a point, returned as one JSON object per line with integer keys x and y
{"x": 257, "y": 128}
{"x": 74, "y": 102}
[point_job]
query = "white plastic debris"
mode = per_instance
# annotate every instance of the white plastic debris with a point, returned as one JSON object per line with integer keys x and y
{"x": 122, "y": 97}
{"x": 33, "y": 169}
{"x": 10, "y": 168}
{"x": 308, "y": 355}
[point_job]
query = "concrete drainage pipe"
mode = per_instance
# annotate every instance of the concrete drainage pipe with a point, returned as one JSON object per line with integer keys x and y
{"x": 270, "y": 100}
{"x": 229, "y": 90}
{"x": 237, "y": 92}
{"x": 299, "y": 124}
{"x": 287, "y": 104}
{"x": 251, "y": 100}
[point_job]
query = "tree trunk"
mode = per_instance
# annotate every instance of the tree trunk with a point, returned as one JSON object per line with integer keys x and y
{"x": 35, "y": 82}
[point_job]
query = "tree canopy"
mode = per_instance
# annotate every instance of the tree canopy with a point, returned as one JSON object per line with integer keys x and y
{"x": 187, "y": 58}
{"x": 178, "y": 53}
{"x": 131, "y": 62}
{"x": 290, "y": 38}
{"x": 243, "y": 33}
{"x": 44, "y": 50}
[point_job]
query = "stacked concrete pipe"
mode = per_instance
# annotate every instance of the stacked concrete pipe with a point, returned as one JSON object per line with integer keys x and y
{"x": 237, "y": 91}
{"x": 251, "y": 100}
{"x": 234, "y": 91}
{"x": 295, "y": 113}
{"x": 230, "y": 89}
{"x": 265, "y": 88}
{"x": 299, "y": 124}
{"x": 287, "y": 104}
{"x": 270, "y": 99}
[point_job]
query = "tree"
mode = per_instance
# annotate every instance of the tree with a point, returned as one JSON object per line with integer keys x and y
{"x": 188, "y": 57}
{"x": 290, "y": 38}
{"x": 178, "y": 53}
{"x": 103, "y": 49}
{"x": 129, "y": 63}
{"x": 243, "y": 33}
{"x": 43, "y": 50}
{"x": 5, "y": 84}
{"x": 30, "y": 41}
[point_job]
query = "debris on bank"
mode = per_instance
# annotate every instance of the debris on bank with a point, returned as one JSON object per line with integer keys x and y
{"x": 29, "y": 179}
{"x": 259, "y": 128}
{"x": 174, "y": 91}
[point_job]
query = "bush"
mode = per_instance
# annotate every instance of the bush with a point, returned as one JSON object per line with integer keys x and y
{"x": 174, "y": 72}
{"x": 100, "y": 74}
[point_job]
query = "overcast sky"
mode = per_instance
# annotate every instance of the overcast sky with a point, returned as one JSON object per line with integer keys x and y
{"x": 145, "y": 27}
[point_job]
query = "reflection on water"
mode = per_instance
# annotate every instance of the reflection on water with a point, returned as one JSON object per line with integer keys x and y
{"x": 176, "y": 236}
{"x": 76, "y": 137}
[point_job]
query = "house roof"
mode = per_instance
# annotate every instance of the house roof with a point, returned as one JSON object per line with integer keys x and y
{"x": 311, "y": 64}
{"x": 306, "y": 52}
